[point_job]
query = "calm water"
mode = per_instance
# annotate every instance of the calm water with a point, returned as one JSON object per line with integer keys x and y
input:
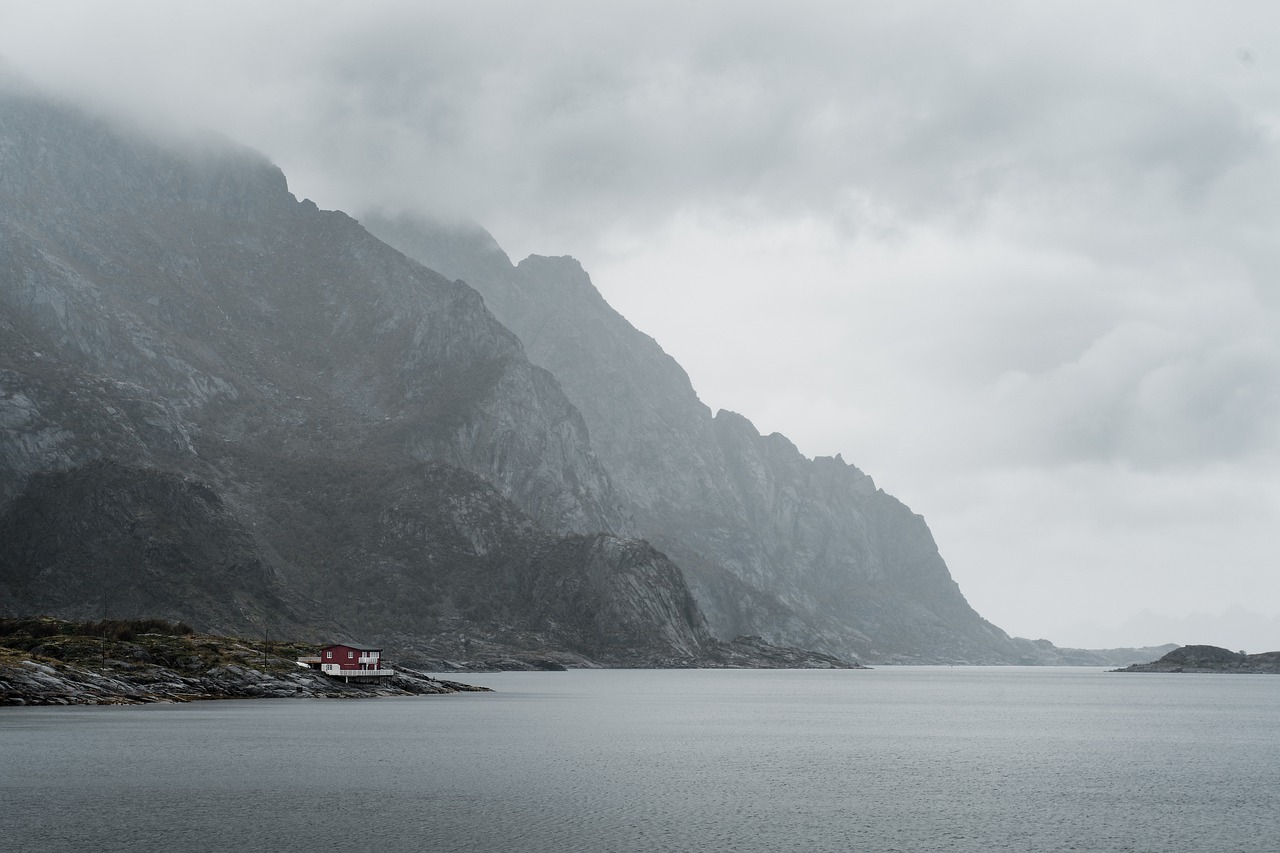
{"x": 890, "y": 759}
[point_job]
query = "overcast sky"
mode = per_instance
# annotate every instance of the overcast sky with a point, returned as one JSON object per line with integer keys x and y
{"x": 1017, "y": 261}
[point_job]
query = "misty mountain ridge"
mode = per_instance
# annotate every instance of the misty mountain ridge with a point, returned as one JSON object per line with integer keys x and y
{"x": 802, "y": 551}
{"x": 181, "y": 315}
{"x": 223, "y": 405}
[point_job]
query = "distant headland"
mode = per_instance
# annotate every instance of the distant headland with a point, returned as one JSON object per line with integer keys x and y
{"x": 1210, "y": 659}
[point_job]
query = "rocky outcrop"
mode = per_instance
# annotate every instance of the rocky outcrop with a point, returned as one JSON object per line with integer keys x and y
{"x": 77, "y": 669}
{"x": 30, "y": 682}
{"x": 806, "y": 552}
{"x": 1206, "y": 659}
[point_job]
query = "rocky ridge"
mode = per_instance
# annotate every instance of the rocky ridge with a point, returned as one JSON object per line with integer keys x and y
{"x": 804, "y": 552}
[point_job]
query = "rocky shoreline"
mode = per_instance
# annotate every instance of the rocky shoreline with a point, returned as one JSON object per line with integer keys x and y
{"x": 45, "y": 662}
{"x": 1208, "y": 659}
{"x": 41, "y": 683}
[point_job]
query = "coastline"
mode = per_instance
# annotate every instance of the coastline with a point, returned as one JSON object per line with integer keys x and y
{"x": 51, "y": 662}
{"x": 32, "y": 682}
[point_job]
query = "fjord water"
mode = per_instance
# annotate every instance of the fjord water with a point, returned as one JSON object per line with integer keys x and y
{"x": 896, "y": 758}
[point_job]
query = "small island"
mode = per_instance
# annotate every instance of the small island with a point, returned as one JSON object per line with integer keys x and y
{"x": 47, "y": 661}
{"x": 1210, "y": 659}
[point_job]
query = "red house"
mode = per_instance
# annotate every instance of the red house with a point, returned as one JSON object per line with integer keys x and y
{"x": 354, "y": 661}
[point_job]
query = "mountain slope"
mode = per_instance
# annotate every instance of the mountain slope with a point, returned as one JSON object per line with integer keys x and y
{"x": 223, "y": 405}
{"x": 801, "y": 551}
{"x": 215, "y": 304}
{"x": 108, "y": 539}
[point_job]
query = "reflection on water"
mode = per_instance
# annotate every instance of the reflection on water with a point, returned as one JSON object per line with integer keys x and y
{"x": 911, "y": 758}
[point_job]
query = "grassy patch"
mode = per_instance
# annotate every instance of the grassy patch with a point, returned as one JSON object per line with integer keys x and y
{"x": 133, "y": 643}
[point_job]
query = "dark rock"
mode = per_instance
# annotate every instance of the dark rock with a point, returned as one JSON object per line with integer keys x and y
{"x": 1206, "y": 659}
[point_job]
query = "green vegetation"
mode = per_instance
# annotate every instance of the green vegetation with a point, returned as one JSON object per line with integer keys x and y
{"x": 129, "y": 643}
{"x": 113, "y": 629}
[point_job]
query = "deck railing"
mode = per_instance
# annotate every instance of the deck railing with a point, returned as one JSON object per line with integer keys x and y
{"x": 352, "y": 673}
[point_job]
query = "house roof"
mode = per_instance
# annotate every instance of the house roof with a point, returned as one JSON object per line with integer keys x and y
{"x": 362, "y": 647}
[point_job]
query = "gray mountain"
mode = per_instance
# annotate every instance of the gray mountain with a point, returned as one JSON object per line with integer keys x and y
{"x": 223, "y": 405}
{"x": 192, "y": 285}
{"x": 801, "y": 551}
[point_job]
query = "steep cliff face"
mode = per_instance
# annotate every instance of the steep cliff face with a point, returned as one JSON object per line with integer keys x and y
{"x": 801, "y": 551}
{"x": 178, "y": 296}
{"x": 110, "y": 539}
{"x": 629, "y": 597}
{"x": 222, "y": 405}
{"x": 435, "y": 557}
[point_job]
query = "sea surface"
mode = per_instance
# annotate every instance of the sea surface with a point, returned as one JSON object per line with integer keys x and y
{"x": 890, "y": 759}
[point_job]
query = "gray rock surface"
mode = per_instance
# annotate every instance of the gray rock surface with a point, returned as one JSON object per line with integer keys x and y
{"x": 162, "y": 300}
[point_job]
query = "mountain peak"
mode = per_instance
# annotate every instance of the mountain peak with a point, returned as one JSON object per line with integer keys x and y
{"x": 56, "y": 154}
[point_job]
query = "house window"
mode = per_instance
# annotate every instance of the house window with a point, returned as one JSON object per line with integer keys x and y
{"x": 350, "y": 655}
{"x": 328, "y": 654}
